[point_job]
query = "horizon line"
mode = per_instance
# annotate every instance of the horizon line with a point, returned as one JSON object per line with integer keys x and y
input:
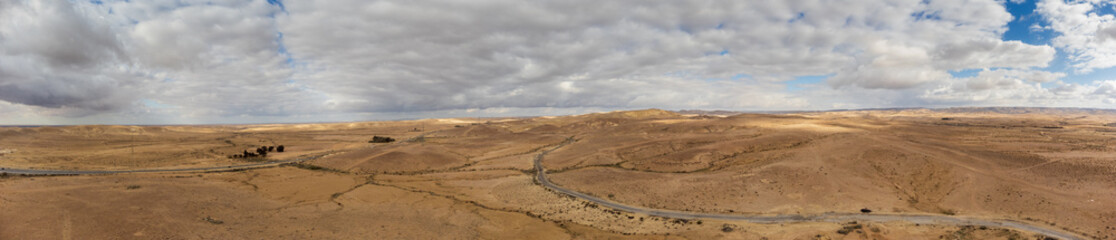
{"x": 534, "y": 116}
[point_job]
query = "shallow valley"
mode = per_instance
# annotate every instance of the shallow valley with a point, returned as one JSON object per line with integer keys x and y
{"x": 475, "y": 178}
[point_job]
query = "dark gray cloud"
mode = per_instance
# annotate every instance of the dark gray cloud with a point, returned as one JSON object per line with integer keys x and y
{"x": 56, "y": 55}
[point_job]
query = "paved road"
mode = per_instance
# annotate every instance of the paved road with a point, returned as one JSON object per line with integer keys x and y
{"x": 795, "y": 218}
{"x": 197, "y": 169}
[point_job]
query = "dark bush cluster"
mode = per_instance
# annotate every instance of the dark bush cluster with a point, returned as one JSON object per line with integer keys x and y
{"x": 262, "y": 151}
{"x": 849, "y": 228}
{"x": 259, "y": 152}
{"x": 379, "y": 139}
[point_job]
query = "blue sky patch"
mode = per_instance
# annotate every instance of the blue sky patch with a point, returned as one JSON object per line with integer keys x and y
{"x": 1104, "y": 8}
{"x": 1023, "y": 18}
{"x": 926, "y": 15}
{"x": 797, "y": 17}
{"x": 278, "y": 3}
{"x": 283, "y": 49}
{"x": 965, "y": 73}
{"x": 801, "y": 82}
{"x": 153, "y": 104}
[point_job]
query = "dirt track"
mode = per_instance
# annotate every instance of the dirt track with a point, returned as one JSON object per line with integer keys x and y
{"x": 198, "y": 169}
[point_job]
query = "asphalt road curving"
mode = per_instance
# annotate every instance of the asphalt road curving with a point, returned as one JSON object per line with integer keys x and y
{"x": 540, "y": 176}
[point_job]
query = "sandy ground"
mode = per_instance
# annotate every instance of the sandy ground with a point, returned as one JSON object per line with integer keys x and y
{"x": 472, "y": 178}
{"x": 133, "y": 147}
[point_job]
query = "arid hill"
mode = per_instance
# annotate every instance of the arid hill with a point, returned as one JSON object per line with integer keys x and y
{"x": 475, "y": 178}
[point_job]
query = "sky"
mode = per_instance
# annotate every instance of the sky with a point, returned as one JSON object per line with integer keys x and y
{"x": 273, "y": 61}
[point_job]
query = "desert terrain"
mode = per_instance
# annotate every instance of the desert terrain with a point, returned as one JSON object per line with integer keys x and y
{"x": 478, "y": 179}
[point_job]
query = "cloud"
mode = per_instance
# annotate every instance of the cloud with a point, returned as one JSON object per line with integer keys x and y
{"x": 483, "y": 54}
{"x": 56, "y": 55}
{"x": 227, "y": 59}
{"x": 1021, "y": 87}
{"x": 1083, "y": 33}
{"x": 990, "y": 53}
{"x": 999, "y": 79}
{"x": 1105, "y": 90}
{"x": 891, "y": 66}
{"x": 217, "y": 59}
{"x": 1107, "y": 32}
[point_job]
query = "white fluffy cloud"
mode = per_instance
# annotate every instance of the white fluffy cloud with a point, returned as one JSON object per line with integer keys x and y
{"x": 990, "y": 53}
{"x": 997, "y": 86}
{"x": 242, "y": 59}
{"x": 1084, "y": 33}
{"x": 1105, "y": 90}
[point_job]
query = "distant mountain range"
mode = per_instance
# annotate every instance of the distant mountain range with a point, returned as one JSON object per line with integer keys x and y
{"x": 709, "y": 112}
{"x": 1001, "y": 110}
{"x": 1027, "y": 110}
